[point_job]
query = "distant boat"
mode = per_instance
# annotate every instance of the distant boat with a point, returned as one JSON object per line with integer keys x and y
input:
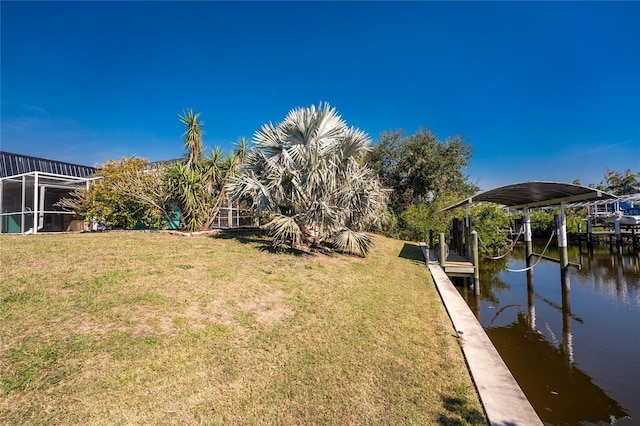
{"x": 629, "y": 216}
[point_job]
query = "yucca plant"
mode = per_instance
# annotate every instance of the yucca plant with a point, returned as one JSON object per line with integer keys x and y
{"x": 311, "y": 164}
{"x": 196, "y": 184}
{"x": 192, "y": 136}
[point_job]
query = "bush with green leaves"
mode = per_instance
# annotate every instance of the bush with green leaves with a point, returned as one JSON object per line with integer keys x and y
{"x": 125, "y": 194}
{"x": 491, "y": 222}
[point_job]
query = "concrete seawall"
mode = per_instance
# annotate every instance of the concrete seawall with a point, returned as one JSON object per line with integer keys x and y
{"x": 501, "y": 396}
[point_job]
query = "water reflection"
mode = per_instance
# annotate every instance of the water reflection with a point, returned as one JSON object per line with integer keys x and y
{"x": 575, "y": 354}
{"x": 565, "y": 394}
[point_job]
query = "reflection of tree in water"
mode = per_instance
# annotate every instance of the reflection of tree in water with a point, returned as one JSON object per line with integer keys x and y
{"x": 611, "y": 273}
{"x": 600, "y": 262}
{"x": 543, "y": 365}
{"x": 609, "y": 265}
{"x": 560, "y": 392}
{"x": 490, "y": 282}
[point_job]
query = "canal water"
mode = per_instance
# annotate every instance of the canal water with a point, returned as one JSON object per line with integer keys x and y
{"x": 576, "y": 358}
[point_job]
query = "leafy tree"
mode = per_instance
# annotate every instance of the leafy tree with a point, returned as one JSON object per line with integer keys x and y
{"x": 425, "y": 175}
{"x": 308, "y": 173}
{"x": 622, "y": 183}
{"x": 420, "y": 167}
{"x": 418, "y": 219}
{"x": 491, "y": 222}
{"x": 125, "y": 193}
{"x": 543, "y": 220}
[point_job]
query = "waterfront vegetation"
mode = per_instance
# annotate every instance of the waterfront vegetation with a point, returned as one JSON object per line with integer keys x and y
{"x": 307, "y": 174}
{"x": 315, "y": 182}
{"x": 152, "y": 328}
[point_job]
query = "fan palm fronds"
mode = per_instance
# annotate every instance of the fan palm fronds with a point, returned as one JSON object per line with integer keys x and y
{"x": 285, "y": 231}
{"x": 352, "y": 242}
{"x": 311, "y": 162}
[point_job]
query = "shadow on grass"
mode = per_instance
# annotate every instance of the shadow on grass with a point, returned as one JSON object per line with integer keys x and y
{"x": 244, "y": 236}
{"x": 259, "y": 238}
{"x": 461, "y": 414}
{"x": 412, "y": 252}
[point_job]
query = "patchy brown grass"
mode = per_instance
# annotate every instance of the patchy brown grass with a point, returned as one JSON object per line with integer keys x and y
{"x": 151, "y": 328}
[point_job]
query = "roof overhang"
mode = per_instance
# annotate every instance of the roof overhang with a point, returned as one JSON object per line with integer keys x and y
{"x": 536, "y": 194}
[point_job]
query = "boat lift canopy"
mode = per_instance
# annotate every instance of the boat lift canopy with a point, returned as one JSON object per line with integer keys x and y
{"x": 536, "y": 194}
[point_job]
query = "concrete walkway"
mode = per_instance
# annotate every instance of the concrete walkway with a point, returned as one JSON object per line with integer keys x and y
{"x": 500, "y": 395}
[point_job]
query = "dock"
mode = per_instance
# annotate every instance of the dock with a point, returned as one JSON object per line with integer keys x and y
{"x": 457, "y": 266}
{"x": 627, "y": 236}
{"x": 501, "y": 396}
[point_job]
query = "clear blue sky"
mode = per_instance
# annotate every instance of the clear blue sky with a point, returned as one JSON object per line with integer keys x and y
{"x": 541, "y": 90}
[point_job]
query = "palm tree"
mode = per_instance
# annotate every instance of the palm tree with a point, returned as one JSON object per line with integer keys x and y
{"x": 622, "y": 183}
{"x": 192, "y": 136}
{"x": 196, "y": 186}
{"x": 308, "y": 173}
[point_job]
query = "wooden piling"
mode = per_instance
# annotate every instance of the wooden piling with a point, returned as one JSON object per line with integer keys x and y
{"x": 527, "y": 238}
{"x": 467, "y": 238}
{"x": 567, "y": 338}
{"x": 561, "y": 228}
{"x": 616, "y": 227}
{"x": 456, "y": 235}
{"x": 476, "y": 263}
{"x": 442, "y": 257}
{"x": 565, "y": 283}
{"x": 531, "y": 300}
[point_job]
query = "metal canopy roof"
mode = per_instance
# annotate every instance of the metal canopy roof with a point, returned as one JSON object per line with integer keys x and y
{"x": 536, "y": 194}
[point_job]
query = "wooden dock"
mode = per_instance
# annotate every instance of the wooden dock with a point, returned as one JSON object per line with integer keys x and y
{"x": 454, "y": 266}
{"x": 627, "y": 236}
{"x": 458, "y": 266}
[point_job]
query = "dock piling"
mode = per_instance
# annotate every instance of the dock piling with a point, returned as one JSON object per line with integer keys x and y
{"x": 442, "y": 257}
{"x": 561, "y": 227}
{"x": 616, "y": 225}
{"x": 476, "y": 263}
{"x": 527, "y": 237}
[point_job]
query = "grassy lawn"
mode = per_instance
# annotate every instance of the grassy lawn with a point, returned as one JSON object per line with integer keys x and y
{"x": 151, "y": 328}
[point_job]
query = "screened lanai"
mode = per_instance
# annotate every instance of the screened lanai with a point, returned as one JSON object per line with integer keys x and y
{"x": 30, "y": 187}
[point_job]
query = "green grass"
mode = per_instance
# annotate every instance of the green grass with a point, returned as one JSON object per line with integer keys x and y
{"x": 151, "y": 328}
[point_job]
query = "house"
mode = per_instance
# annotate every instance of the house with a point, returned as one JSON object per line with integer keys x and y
{"x": 29, "y": 189}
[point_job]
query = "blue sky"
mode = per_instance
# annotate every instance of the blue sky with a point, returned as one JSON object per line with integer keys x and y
{"x": 541, "y": 90}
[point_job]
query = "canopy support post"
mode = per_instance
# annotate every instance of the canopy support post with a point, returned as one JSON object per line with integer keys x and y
{"x": 561, "y": 228}
{"x": 527, "y": 237}
{"x": 616, "y": 227}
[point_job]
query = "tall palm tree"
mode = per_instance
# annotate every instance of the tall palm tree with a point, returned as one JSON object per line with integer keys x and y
{"x": 196, "y": 185}
{"x": 192, "y": 136}
{"x": 308, "y": 172}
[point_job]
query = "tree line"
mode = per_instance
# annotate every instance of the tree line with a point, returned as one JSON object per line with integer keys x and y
{"x": 314, "y": 181}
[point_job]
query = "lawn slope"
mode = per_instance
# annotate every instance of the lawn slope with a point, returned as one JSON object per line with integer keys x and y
{"x": 152, "y": 328}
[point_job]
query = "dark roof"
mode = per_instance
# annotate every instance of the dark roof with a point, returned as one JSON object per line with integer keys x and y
{"x": 16, "y": 164}
{"x": 536, "y": 194}
{"x": 163, "y": 163}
